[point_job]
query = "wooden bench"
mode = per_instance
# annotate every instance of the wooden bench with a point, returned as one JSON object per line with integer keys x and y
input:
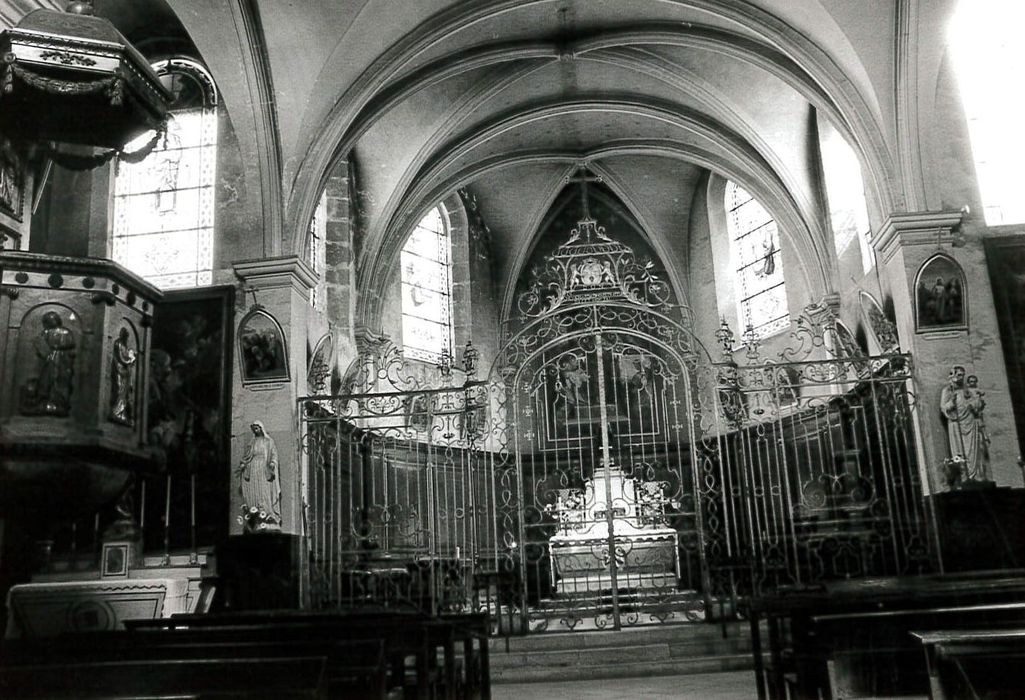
{"x": 413, "y": 642}
{"x": 974, "y": 663}
{"x": 351, "y": 668}
{"x": 287, "y": 678}
{"x": 847, "y": 638}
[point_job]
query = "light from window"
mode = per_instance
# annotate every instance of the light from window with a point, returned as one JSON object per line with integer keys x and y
{"x": 427, "y": 289}
{"x": 754, "y": 250}
{"x": 316, "y": 249}
{"x": 985, "y": 41}
{"x": 845, "y": 190}
{"x": 164, "y": 206}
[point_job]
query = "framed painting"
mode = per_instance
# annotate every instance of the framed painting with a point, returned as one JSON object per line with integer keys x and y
{"x": 12, "y": 181}
{"x": 262, "y": 352}
{"x": 941, "y": 301}
{"x": 189, "y": 412}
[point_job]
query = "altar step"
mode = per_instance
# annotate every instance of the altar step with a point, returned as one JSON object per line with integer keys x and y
{"x": 593, "y": 611}
{"x": 631, "y": 653}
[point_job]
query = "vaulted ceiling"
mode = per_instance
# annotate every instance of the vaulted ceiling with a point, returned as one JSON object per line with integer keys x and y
{"x": 507, "y": 97}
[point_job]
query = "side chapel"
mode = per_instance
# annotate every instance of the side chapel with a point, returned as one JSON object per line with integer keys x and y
{"x": 493, "y": 319}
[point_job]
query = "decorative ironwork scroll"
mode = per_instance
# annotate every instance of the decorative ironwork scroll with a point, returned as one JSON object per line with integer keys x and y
{"x": 590, "y": 267}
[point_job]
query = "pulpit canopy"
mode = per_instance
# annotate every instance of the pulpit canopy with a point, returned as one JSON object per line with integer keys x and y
{"x": 74, "y": 78}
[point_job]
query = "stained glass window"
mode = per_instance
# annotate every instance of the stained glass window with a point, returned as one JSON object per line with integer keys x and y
{"x": 164, "y": 205}
{"x": 987, "y": 51}
{"x": 427, "y": 289}
{"x": 754, "y": 250}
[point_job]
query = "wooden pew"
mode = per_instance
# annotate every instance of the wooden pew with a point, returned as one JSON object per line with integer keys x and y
{"x": 351, "y": 669}
{"x": 974, "y": 663}
{"x": 407, "y": 636}
{"x": 405, "y": 660}
{"x": 850, "y": 637}
{"x": 471, "y": 629}
{"x": 287, "y": 678}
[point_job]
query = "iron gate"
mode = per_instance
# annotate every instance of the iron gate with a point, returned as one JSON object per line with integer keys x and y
{"x": 600, "y": 394}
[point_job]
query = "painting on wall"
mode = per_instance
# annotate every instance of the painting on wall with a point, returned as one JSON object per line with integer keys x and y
{"x": 262, "y": 351}
{"x": 12, "y": 181}
{"x": 189, "y": 409}
{"x": 940, "y": 295}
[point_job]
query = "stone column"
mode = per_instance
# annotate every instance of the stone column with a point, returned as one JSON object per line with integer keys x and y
{"x": 281, "y": 288}
{"x": 905, "y": 243}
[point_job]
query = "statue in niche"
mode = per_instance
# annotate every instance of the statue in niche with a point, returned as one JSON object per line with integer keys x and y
{"x": 963, "y": 405}
{"x": 259, "y": 483}
{"x": 123, "y": 362}
{"x": 49, "y": 392}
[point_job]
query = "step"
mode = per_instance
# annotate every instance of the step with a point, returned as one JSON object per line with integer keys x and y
{"x": 645, "y": 649}
{"x": 696, "y": 634}
{"x": 579, "y": 657}
{"x": 630, "y": 669}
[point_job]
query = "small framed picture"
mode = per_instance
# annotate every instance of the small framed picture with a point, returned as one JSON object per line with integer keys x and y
{"x": 263, "y": 356}
{"x": 114, "y": 560}
{"x": 941, "y": 296}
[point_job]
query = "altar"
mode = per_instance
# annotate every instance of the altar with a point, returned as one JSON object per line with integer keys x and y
{"x": 644, "y": 548}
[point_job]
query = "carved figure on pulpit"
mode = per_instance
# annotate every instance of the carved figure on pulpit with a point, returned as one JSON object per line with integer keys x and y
{"x": 259, "y": 483}
{"x": 962, "y": 407}
{"x": 122, "y": 380}
{"x": 49, "y": 392}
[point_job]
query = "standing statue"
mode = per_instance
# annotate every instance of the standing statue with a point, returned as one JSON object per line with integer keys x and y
{"x": 122, "y": 380}
{"x": 260, "y": 483}
{"x": 977, "y": 406}
{"x": 49, "y": 392}
{"x": 963, "y": 407}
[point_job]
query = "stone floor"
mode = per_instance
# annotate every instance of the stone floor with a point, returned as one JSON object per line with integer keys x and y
{"x": 735, "y": 685}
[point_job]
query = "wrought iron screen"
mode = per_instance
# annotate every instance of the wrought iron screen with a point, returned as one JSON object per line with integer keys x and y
{"x": 394, "y": 493}
{"x": 816, "y": 476}
{"x": 608, "y": 472}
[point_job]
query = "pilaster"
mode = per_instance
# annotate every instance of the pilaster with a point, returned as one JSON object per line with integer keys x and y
{"x": 279, "y": 287}
{"x": 906, "y": 242}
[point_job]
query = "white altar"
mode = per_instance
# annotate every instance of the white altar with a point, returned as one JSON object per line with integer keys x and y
{"x": 644, "y": 547}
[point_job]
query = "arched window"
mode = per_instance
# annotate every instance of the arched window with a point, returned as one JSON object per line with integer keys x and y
{"x": 845, "y": 191}
{"x": 427, "y": 288}
{"x": 164, "y": 206}
{"x": 987, "y": 50}
{"x": 755, "y": 254}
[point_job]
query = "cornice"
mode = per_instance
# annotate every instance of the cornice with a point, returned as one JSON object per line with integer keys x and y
{"x": 73, "y": 266}
{"x": 267, "y": 273}
{"x": 919, "y": 229}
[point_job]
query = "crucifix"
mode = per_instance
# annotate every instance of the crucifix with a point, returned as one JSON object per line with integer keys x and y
{"x": 586, "y": 224}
